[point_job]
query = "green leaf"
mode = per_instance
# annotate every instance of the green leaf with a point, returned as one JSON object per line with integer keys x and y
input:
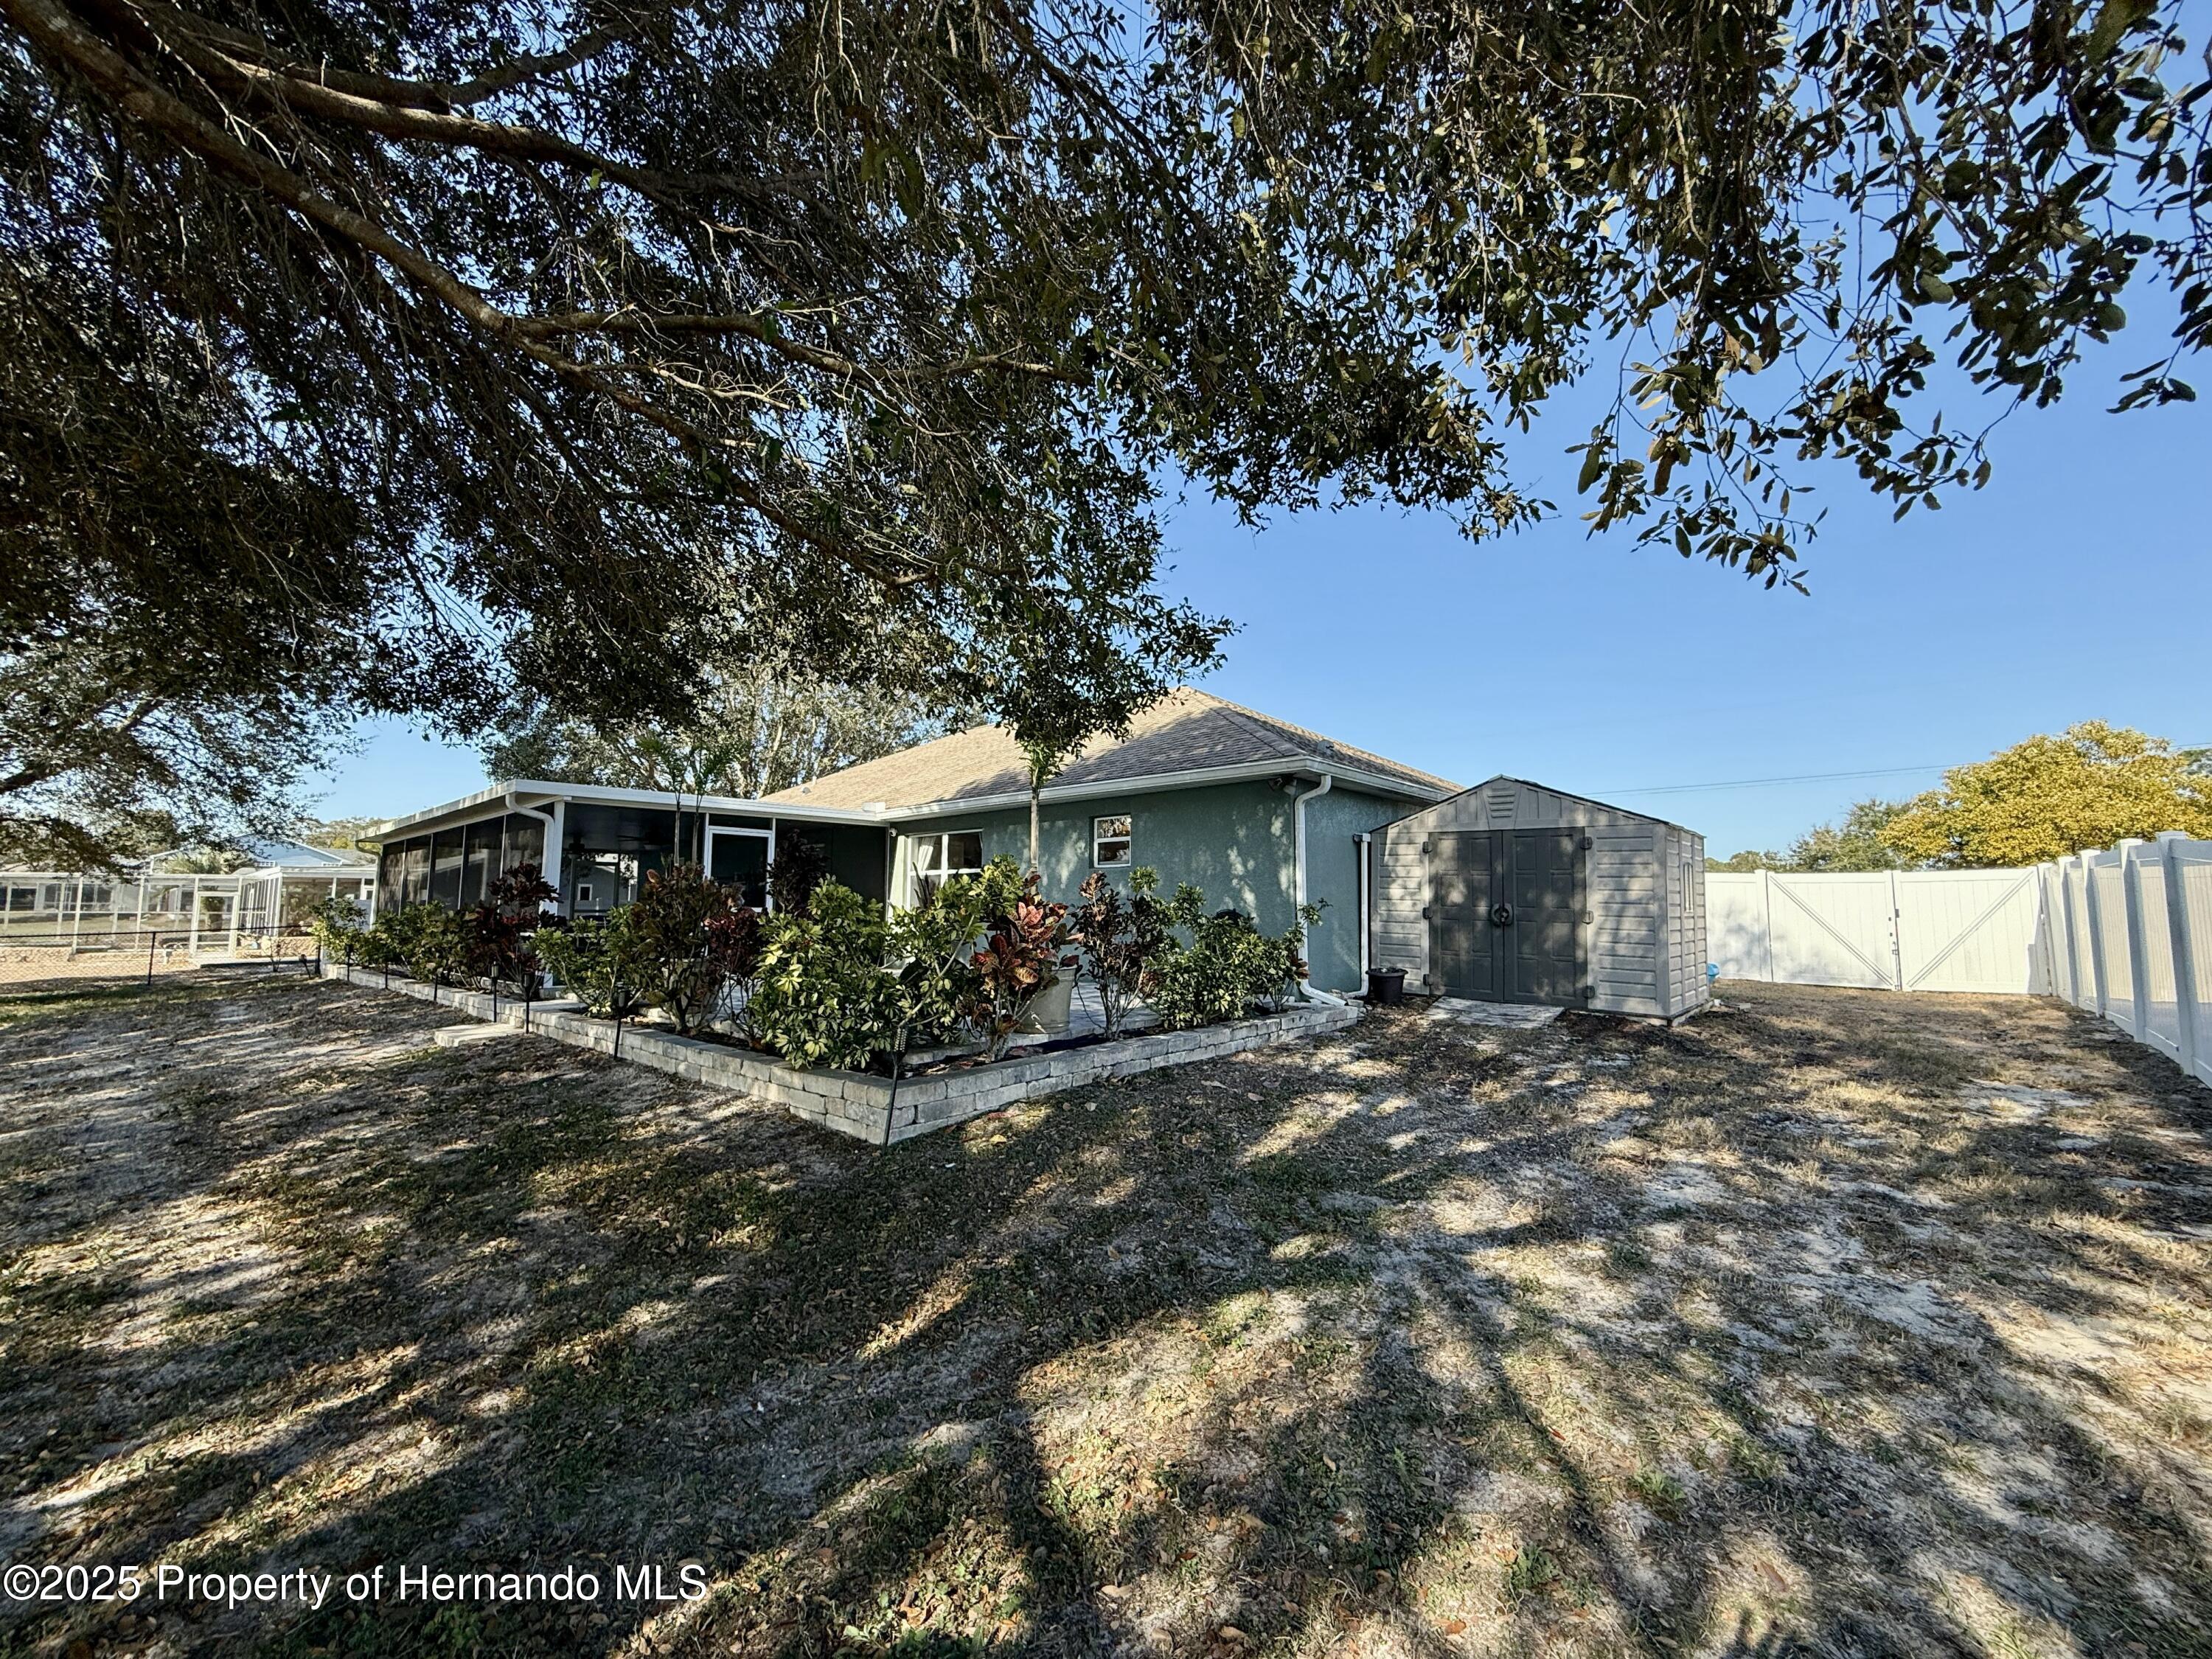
{"x": 2114, "y": 19}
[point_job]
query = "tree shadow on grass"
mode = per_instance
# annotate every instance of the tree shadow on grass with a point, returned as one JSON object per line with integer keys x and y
{"x": 1598, "y": 1339}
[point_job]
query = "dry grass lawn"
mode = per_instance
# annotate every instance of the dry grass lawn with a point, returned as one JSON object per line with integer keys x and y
{"x": 1830, "y": 1323}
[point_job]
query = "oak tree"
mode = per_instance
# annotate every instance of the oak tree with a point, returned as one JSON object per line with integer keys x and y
{"x": 398, "y": 352}
{"x": 753, "y": 730}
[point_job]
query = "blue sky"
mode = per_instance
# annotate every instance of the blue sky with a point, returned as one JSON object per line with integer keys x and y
{"x": 2075, "y": 586}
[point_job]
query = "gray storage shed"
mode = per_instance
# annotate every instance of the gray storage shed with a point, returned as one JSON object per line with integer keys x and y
{"x": 1511, "y": 892}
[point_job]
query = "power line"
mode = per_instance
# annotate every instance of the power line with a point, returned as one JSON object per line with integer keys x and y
{"x": 1802, "y": 777}
{"x": 1761, "y": 783}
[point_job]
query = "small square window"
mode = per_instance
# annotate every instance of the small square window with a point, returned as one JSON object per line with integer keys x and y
{"x": 583, "y": 892}
{"x": 1110, "y": 842}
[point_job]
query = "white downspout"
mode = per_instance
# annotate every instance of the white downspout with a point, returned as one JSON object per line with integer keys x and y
{"x": 1306, "y": 987}
{"x": 556, "y": 870}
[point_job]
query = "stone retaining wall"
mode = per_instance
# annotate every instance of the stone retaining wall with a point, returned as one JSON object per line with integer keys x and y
{"x": 875, "y": 1109}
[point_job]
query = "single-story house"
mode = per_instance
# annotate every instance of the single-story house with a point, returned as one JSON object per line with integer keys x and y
{"x": 1260, "y": 814}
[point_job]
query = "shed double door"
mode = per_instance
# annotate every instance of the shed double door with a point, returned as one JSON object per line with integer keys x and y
{"x": 1505, "y": 912}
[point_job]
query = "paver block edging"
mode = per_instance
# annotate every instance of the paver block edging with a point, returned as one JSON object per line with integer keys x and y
{"x": 875, "y": 1109}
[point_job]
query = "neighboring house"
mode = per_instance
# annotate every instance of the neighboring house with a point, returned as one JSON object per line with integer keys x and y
{"x": 299, "y": 859}
{"x": 187, "y": 892}
{"x": 1256, "y": 811}
{"x": 290, "y": 858}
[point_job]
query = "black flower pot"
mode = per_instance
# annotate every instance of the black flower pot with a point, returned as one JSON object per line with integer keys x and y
{"x": 1385, "y": 986}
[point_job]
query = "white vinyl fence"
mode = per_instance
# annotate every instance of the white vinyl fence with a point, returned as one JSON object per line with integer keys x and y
{"x": 2126, "y": 933}
{"x": 2129, "y": 937}
{"x": 1935, "y": 930}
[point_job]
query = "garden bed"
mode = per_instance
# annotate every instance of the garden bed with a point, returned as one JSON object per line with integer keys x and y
{"x": 879, "y": 1110}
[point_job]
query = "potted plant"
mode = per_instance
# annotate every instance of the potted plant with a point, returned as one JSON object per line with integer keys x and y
{"x": 1020, "y": 961}
{"x": 1052, "y": 1008}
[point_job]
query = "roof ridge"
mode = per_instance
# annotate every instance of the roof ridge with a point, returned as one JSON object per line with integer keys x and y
{"x": 1266, "y": 725}
{"x": 1185, "y": 731}
{"x": 1587, "y": 800}
{"x": 1325, "y": 743}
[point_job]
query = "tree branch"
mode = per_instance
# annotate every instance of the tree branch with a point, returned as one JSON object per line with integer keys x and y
{"x": 62, "y": 35}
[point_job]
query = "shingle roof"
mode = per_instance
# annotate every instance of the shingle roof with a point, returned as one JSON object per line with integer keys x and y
{"x": 1187, "y": 730}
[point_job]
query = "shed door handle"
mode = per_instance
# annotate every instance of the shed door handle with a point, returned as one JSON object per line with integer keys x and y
{"x": 1501, "y": 915}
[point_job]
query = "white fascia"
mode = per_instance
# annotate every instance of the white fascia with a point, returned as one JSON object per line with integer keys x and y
{"x": 1301, "y": 767}
{"x": 523, "y": 794}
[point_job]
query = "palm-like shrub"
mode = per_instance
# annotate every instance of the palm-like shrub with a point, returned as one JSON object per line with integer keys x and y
{"x": 821, "y": 996}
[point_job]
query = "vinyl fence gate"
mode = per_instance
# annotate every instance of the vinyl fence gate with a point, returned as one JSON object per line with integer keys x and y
{"x": 1937, "y": 930}
{"x": 2124, "y": 932}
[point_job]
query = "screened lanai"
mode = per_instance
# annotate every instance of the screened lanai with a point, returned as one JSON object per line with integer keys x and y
{"x": 596, "y": 846}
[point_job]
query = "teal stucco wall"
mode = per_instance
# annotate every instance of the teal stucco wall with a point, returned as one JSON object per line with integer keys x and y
{"x": 1333, "y": 873}
{"x": 1231, "y": 840}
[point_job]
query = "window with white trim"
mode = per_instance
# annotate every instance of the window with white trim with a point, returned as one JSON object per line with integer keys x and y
{"x": 1110, "y": 841}
{"x": 741, "y": 858}
{"x": 937, "y": 858}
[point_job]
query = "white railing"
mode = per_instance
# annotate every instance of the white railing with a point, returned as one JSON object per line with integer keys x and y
{"x": 2128, "y": 930}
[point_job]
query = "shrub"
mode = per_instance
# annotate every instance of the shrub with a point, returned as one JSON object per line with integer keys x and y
{"x": 426, "y": 939}
{"x": 1022, "y": 955}
{"x": 801, "y": 865}
{"x": 374, "y": 947}
{"x": 497, "y": 933}
{"x": 596, "y": 960}
{"x": 1228, "y": 966}
{"x": 1120, "y": 939}
{"x": 935, "y": 984}
{"x": 334, "y": 924}
{"x": 686, "y": 942}
{"x": 822, "y": 997}
{"x": 1001, "y": 884}
{"x": 733, "y": 941}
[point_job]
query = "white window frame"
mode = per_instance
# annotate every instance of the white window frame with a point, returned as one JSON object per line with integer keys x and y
{"x": 768, "y": 898}
{"x": 943, "y": 838}
{"x": 1127, "y": 838}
